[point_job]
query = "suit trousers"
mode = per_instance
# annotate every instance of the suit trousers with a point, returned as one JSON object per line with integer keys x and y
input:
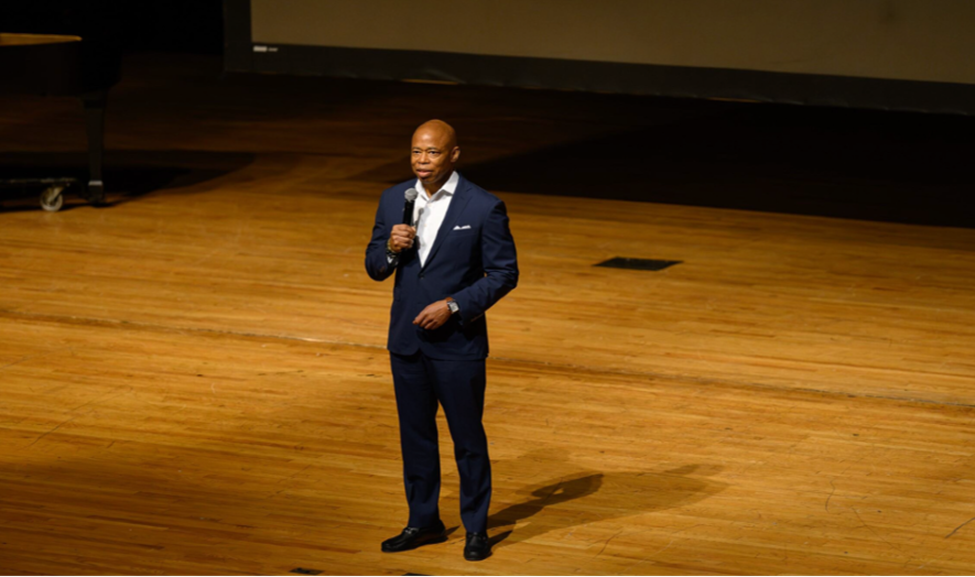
{"x": 421, "y": 383}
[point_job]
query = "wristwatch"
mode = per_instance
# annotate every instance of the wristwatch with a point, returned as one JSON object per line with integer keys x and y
{"x": 453, "y": 306}
{"x": 390, "y": 253}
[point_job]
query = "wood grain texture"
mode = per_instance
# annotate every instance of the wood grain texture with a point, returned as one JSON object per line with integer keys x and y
{"x": 193, "y": 380}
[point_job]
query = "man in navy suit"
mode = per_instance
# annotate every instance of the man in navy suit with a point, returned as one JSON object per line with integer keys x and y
{"x": 454, "y": 264}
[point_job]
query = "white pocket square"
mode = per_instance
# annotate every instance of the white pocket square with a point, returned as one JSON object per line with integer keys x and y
{"x": 465, "y": 227}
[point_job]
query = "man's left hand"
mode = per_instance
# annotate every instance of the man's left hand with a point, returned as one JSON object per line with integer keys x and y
{"x": 434, "y": 316}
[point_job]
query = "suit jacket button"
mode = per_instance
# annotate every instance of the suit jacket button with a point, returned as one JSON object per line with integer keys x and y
{"x": 421, "y": 275}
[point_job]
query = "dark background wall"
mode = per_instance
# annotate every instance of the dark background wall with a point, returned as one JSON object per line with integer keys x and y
{"x": 178, "y": 26}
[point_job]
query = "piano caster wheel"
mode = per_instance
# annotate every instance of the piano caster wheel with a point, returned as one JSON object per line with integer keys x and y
{"x": 51, "y": 199}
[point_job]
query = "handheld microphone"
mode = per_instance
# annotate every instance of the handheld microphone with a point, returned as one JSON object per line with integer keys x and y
{"x": 410, "y": 195}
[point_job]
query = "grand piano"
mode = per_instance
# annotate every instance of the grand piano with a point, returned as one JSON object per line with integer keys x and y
{"x": 61, "y": 65}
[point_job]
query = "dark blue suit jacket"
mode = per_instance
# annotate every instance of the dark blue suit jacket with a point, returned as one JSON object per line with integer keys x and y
{"x": 472, "y": 260}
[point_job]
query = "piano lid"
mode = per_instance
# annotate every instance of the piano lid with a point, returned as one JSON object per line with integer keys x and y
{"x": 8, "y": 39}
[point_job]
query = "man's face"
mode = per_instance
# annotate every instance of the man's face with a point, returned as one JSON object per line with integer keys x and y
{"x": 433, "y": 157}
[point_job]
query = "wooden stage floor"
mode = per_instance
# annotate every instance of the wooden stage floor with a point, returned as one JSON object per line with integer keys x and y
{"x": 193, "y": 379}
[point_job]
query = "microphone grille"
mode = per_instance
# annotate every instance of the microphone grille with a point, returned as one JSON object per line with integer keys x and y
{"x": 411, "y": 194}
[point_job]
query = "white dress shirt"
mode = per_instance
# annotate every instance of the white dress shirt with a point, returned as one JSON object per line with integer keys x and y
{"x": 429, "y": 212}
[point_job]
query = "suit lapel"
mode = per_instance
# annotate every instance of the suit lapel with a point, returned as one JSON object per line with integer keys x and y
{"x": 457, "y": 204}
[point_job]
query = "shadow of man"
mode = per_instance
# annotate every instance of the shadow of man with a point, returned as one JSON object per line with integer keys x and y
{"x": 606, "y": 495}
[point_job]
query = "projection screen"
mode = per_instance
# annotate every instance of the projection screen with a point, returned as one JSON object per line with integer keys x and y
{"x": 899, "y": 54}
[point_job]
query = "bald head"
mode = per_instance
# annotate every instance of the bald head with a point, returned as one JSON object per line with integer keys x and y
{"x": 439, "y": 131}
{"x": 434, "y": 153}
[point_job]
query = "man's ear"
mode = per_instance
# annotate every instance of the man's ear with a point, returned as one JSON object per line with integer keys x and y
{"x": 455, "y": 154}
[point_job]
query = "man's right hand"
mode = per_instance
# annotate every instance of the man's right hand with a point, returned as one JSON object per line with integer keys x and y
{"x": 401, "y": 238}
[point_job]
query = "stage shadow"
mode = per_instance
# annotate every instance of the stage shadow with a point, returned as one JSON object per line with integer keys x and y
{"x": 133, "y": 498}
{"x": 128, "y": 175}
{"x": 588, "y": 497}
{"x": 854, "y": 164}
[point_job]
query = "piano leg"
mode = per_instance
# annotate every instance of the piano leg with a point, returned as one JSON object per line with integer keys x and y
{"x": 94, "y": 103}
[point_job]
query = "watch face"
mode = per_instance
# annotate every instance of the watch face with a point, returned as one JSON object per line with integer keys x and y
{"x": 454, "y": 307}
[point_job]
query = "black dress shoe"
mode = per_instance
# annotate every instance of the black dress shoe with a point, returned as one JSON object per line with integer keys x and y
{"x": 478, "y": 548}
{"x": 413, "y": 537}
